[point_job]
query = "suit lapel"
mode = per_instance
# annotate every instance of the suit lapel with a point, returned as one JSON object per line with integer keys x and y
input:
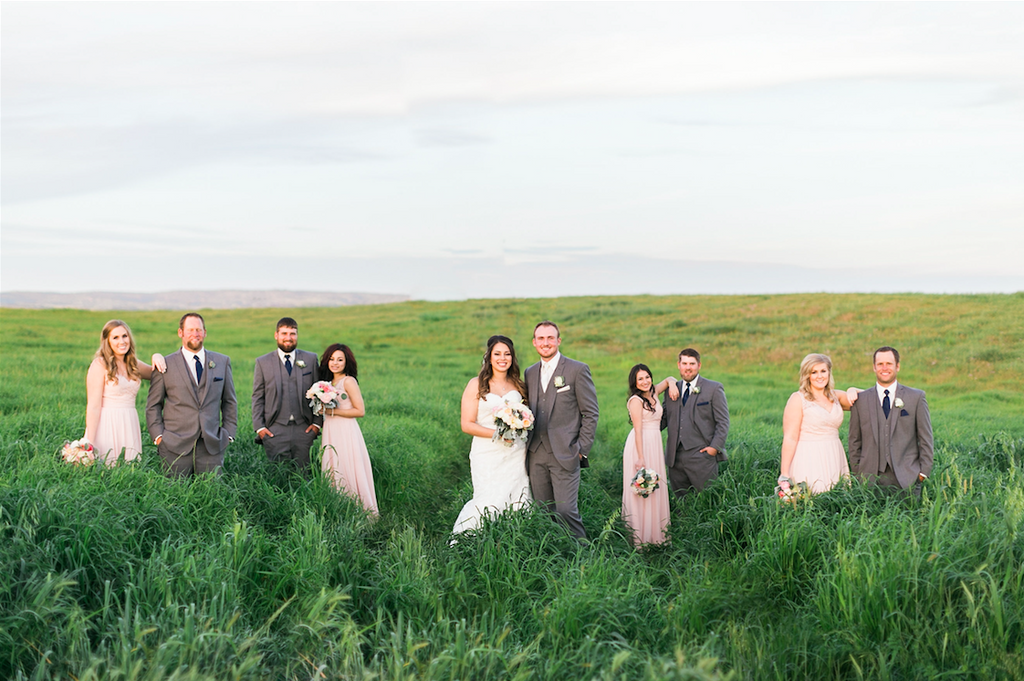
{"x": 691, "y": 403}
{"x": 876, "y": 415}
{"x": 894, "y": 413}
{"x": 533, "y": 384}
{"x": 176, "y": 362}
{"x": 552, "y": 389}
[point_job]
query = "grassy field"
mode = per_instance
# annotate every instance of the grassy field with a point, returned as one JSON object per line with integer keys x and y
{"x": 124, "y": 574}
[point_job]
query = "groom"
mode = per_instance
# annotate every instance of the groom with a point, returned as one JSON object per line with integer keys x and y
{"x": 191, "y": 411}
{"x": 890, "y": 438}
{"x": 564, "y": 402}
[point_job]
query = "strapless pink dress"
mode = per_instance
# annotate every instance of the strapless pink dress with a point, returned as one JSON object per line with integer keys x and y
{"x": 119, "y": 422}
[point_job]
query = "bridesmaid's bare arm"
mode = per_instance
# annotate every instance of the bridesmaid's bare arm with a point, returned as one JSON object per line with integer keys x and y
{"x": 846, "y": 399}
{"x": 94, "y": 397}
{"x": 159, "y": 364}
{"x": 792, "y": 418}
{"x": 635, "y": 405}
{"x": 350, "y": 387}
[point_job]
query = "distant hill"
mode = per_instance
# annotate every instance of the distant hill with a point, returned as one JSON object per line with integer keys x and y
{"x": 190, "y": 300}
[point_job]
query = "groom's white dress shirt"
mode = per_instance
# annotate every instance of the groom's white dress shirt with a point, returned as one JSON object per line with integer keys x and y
{"x": 547, "y": 368}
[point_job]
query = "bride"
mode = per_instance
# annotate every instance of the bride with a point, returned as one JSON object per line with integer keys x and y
{"x": 499, "y": 472}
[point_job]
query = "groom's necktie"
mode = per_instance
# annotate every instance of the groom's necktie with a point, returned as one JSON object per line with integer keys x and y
{"x": 288, "y": 364}
{"x": 199, "y": 369}
{"x": 885, "y": 403}
{"x": 686, "y": 394}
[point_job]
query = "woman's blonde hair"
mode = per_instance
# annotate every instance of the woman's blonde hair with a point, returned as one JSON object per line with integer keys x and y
{"x": 107, "y": 355}
{"x": 810, "y": 361}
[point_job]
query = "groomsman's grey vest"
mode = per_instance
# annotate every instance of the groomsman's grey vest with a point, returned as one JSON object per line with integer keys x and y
{"x": 291, "y": 407}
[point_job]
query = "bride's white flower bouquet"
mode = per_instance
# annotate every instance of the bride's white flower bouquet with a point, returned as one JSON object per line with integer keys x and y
{"x": 644, "y": 482}
{"x": 78, "y": 453}
{"x": 512, "y": 421}
{"x": 323, "y": 396}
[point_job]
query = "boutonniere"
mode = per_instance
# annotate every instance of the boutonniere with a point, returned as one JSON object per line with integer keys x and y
{"x": 695, "y": 390}
{"x": 559, "y": 381}
{"x": 300, "y": 363}
{"x": 213, "y": 365}
{"x": 898, "y": 403}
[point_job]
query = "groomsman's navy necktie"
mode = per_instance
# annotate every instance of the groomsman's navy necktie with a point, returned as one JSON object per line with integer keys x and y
{"x": 686, "y": 394}
{"x": 288, "y": 364}
{"x": 885, "y": 403}
{"x": 199, "y": 368}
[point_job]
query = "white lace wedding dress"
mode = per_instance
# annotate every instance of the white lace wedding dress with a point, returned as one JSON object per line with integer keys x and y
{"x": 499, "y": 472}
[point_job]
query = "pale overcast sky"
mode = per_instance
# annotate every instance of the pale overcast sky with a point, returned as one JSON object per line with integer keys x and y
{"x": 451, "y": 150}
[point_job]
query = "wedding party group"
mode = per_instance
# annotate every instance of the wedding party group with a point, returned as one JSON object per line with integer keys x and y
{"x": 192, "y": 412}
{"x": 533, "y": 454}
{"x": 532, "y": 430}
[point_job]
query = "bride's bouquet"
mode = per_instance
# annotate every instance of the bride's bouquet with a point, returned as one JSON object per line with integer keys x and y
{"x": 78, "y": 453}
{"x": 644, "y": 482}
{"x": 323, "y": 396}
{"x": 512, "y": 421}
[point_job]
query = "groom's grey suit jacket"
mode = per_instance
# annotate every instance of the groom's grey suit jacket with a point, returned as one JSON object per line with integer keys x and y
{"x": 268, "y": 381}
{"x": 181, "y": 411}
{"x": 702, "y": 422}
{"x": 567, "y": 415}
{"x": 904, "y": 439}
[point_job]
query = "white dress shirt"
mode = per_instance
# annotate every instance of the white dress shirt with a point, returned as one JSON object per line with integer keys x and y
{"x": 190, "y": 361}
{"x": 291, "y": 355}
{"x": 547, "y": 369}
{"x": 881, "y": 393}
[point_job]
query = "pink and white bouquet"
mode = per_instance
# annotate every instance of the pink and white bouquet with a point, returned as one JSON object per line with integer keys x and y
{"x": 644, "y": 482}
{"x": 323, "y": 396}
{"x": 787, "y": 491}
{"x": 78, "y": 453}
{"x": 512, "y": 421}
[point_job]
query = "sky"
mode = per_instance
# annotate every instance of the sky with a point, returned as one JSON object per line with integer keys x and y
{"x": 474, "y": 150}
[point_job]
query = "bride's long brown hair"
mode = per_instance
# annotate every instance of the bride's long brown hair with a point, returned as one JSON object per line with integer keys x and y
{"x": 131, "y": 364}
{"x": 487, "y": 371}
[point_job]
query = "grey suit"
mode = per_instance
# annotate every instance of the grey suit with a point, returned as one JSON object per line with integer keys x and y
{"x": 891, "y": 452}
{"x": 566, "y": 415}
{"x": 196, "y": 422}
{"x": 702, "y": 422}
{"x": 279, "y": 404}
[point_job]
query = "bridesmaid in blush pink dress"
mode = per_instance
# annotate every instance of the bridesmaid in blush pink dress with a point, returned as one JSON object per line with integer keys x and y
{"x": 111, "y": 420}
{"x": 646, "y": 516}
{"x": 346, "y": 461}
{"x": 811, "y": 450}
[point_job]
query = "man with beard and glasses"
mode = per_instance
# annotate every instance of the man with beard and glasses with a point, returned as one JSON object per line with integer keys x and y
{"x": 191, "y": 411}
{"x": 281, "y": 416}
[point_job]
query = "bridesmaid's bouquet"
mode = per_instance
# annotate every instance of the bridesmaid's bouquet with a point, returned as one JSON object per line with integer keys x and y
{"x": 512, "y": 421}
{"x": 644, "y": 482}
{"x": 787, "y": 492}
{"x": 323, "y": 396}
{"x": 78, "y": 453}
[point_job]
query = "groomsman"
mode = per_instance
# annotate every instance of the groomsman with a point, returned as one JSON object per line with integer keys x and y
{"x": 281, "y": 415}
{"x": 890, "y": 439}
{"x": 564, "y": 402}
{"x": 191, "y": 411}
{"x": 697, "y": 424}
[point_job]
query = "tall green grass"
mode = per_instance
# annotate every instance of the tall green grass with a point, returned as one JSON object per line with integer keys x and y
{"x": 123, "y": 574}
